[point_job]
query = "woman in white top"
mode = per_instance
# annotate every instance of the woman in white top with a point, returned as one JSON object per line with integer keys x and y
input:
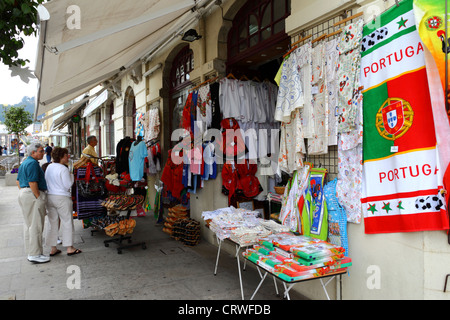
{"x": 59, "y": 202}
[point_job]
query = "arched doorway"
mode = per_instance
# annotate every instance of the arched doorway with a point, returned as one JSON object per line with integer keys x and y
{"x": 129, "y": 113}
{"x": 257, "y": 40}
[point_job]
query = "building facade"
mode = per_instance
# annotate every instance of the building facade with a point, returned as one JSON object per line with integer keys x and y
{"x": 249, "y": 38}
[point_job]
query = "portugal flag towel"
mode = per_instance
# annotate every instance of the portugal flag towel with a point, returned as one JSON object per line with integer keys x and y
{"x": 401, "y": 178}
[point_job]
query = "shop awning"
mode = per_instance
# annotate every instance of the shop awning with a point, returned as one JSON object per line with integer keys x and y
{"x": 87, "y": 42}
{"x": 95, "y": 103}
{"x": 73, "y": 109}
{"x": 47, "y": 134}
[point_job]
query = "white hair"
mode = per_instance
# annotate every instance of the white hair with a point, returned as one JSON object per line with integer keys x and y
{"x": 33, "y": 147}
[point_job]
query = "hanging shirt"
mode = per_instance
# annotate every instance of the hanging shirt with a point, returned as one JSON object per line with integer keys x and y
{"x": 290, "y": 94}
{"x": 215, "y": 105}
{"x": 229, "y": 99}
{"x": 136, "y": 158}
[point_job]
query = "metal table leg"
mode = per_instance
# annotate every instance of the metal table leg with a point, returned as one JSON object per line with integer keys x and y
{"x": 286, "y": 290}
{"x": 325, "y": 285}
{"x": 260, "y": 283}
{"x": 276, "y": 287}
{"x": 218, "y": 253}
{"x": 238, "y": 248}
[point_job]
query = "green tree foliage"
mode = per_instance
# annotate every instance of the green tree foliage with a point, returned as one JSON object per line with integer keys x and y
{"x": 17, "y": 18}
{"x": 17, "y": 119}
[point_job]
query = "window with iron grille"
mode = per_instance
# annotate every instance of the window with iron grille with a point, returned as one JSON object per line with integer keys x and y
{"x": 183, "y": 64}
{"x": 256, "y": 22}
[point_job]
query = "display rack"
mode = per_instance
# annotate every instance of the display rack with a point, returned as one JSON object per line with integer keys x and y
{"x": 121, "y": 238}
{"x": 107, "y": 165}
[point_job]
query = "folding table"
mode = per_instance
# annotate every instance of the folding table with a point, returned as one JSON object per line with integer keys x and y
{"x": 289, "y": 284}
{"x": 238, "y": 249}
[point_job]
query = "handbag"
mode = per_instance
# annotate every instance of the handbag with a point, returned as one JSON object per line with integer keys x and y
{"x": 91, "y": 188}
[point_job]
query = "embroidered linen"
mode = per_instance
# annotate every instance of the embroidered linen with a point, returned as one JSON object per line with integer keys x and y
{"x": 318, "y": 144}
{"x": 204, "y": 111}
{"x": 290, "y": 94}
{"x": 304, "y": 61}
{"x": 292, "y": 144}
{"x": 349, "y": 186}
{"x": 332, "y": 56}
{"x": 348, "y": 74}
{"x": 152, "y": 124}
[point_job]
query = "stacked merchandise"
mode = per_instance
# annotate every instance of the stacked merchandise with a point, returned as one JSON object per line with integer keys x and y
{"x": 240, "y": 225}
{"x": 273, "y": 226}
{"x": 236, "y": 224}
{"x": 113, "y": 225}
{"x": 294, "y": 258}
{"x": 176, "y": 213}
{"x": 123, "y": 202}
{"x": 209, "y": 215}
{"x": 187, "y": 231}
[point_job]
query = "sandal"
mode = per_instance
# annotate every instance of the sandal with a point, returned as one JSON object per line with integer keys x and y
{"x": 55, "y": 253}
{"x": 77, "y": 251}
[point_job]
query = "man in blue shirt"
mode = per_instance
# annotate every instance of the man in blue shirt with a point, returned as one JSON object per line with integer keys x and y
{"x": 32, "y": 200}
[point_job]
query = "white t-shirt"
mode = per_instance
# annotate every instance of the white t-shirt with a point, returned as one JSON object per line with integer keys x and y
{"x": 59, "y": 180}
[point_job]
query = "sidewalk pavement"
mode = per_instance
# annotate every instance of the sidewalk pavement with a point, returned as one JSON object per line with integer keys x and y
{"x": 166, "y": 270}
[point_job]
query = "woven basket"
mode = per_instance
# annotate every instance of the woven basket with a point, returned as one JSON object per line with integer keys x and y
{"x": 279, "y": 190}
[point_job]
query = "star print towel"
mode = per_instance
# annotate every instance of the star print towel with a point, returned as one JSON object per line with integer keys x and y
{"x": 402, "y": 177}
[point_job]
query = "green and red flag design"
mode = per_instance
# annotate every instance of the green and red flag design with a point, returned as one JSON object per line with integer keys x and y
{"x": 401, "y": 174}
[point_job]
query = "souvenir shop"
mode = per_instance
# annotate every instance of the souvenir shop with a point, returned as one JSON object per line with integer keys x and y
{"x": 305, "y": 159}
{"x": 327, "y": 140}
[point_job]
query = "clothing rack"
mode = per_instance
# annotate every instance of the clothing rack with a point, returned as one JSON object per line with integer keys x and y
{"x": 319, "y": 38}
{"x": 294, "y": 45}
{"x": 203, "y": 83}
{"x": 349, "y": 19}
{"x": 334, "y": 33}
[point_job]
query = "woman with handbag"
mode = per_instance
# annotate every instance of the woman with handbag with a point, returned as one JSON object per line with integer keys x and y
{"x": 59, "y": 202}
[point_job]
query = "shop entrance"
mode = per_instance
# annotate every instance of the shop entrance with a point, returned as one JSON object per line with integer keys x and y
{"x": 257, "y": 40}
{"x": 180, "y": 84}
